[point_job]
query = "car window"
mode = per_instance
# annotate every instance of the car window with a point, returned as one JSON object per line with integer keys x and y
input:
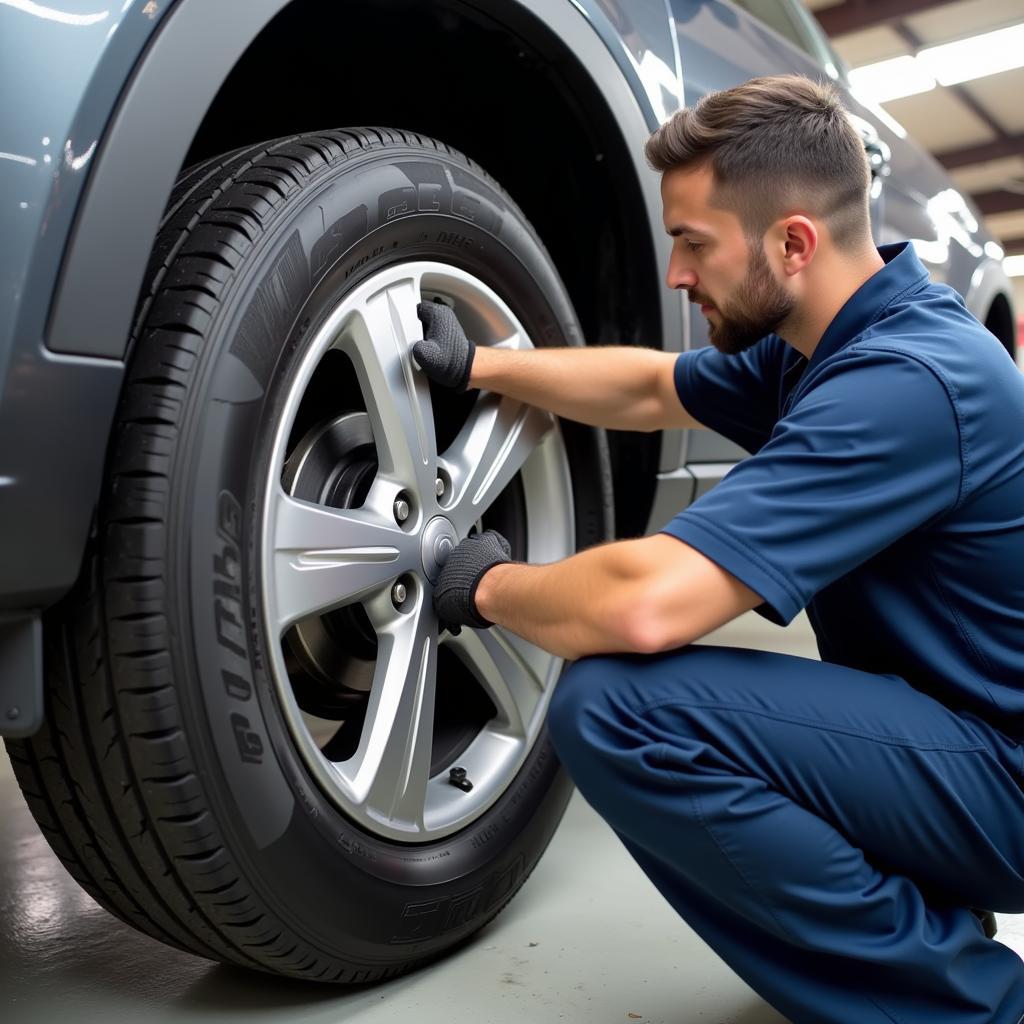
{"x": 777, "y": 14}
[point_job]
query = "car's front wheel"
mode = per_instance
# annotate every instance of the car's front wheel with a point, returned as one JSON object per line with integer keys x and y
{"x": 260, "y": 744}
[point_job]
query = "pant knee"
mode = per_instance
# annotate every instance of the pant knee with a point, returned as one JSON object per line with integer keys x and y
{"x": 578, "y": 694}
{"x": 602, "y": 734}
{"x": 610, "y": 709}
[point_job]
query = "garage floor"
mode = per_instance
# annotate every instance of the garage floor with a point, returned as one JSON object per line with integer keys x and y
{"x": 588, "y": 941}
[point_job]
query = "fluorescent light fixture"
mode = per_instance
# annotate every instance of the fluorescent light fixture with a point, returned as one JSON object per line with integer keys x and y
{"x": 1014, "y": 266}
{"x": 994, "y": 250}
{"x": 947, "y": 64}
{"x": 891, "y": 79}
{"x": 976, "y": 57}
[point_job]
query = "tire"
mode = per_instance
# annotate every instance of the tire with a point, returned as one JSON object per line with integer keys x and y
{"x": 204, "y": 709}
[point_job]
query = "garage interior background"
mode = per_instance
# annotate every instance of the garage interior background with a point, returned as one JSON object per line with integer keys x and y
{"x": 963, "y": 104}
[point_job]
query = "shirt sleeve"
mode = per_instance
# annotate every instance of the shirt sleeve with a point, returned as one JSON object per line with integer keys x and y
{"x": 869, "y": 454}
{"x": 736, "y": 396}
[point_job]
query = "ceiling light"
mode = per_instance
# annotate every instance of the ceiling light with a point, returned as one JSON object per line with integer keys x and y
{"x": 976, "y": 57}
{"x": 891, "y": 79}
{"x": 1014, "y": 266}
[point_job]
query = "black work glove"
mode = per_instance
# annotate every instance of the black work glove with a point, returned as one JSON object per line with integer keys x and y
{"x": 445, "y": 354}
{"x": 456, "y": 586}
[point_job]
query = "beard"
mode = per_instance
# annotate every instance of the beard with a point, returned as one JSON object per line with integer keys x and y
{"x": 761, "y": 305}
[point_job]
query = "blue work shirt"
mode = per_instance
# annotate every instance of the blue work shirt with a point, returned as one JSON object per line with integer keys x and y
{"x": 885, "y": 492}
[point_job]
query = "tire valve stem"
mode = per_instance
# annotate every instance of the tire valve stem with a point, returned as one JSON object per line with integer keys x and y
{"x": 457, "y": 777}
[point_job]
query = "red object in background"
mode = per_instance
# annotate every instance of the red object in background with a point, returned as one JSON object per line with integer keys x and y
{"x": 1020, "y": 338}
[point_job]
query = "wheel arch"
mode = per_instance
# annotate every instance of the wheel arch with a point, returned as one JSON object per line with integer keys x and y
{"x": 566, "y": 142}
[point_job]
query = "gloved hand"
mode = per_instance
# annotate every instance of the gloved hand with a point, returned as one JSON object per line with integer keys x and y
{"x": 445, "y": 354}
{"x": 456, "y": 586}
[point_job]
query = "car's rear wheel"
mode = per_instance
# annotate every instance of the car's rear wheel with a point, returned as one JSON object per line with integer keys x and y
{"x": 260, "y": 745}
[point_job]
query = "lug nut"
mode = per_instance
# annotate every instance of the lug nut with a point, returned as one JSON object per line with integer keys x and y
{"x": 401, "y": 510}
{"x": 439, "y": 487}
{"x": 398, "y": 593}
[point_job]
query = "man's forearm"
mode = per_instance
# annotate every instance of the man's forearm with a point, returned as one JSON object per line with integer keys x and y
{"x": 571, "y": 608}
{"x": 606, "y": 386}
{"x": 642, "y": 595}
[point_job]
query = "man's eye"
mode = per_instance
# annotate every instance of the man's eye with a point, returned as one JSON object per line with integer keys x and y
{"x": 695, "y": 246}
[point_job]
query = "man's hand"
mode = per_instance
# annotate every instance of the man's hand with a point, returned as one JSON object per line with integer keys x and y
{"x": 456, "y": 586}
{"x": 445, "y": 354}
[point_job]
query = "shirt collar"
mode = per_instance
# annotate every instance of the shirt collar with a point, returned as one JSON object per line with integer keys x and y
{"x": 902, "y": 272}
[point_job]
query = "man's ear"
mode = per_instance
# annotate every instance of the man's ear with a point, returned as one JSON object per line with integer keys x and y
{"x": 798, "y": 239}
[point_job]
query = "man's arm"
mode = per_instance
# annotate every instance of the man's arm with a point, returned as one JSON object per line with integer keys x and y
{"x": 644, "y": 596}
{"x": 617, "y": 387}
{"x": 612, "y": 386}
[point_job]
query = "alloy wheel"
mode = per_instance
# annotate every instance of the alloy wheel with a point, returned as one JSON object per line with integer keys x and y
{"x": 411, "y": 731}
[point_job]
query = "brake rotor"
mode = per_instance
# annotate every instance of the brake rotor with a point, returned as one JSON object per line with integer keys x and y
{"x": 331, "y": 657}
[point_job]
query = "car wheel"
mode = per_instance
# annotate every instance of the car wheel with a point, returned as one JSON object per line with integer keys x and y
{"x": 261, "y": 746}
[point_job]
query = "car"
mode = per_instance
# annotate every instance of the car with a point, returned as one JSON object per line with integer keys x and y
{"x": 225, "y": 490}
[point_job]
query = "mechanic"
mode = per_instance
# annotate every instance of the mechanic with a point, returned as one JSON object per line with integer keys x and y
{"x": 826, "y": 827}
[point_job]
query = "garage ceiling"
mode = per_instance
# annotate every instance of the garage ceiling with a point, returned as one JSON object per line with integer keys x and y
{"x": 976, "y": 128}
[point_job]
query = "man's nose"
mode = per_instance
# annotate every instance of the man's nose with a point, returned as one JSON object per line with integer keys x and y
{"x": 680, "y": 277}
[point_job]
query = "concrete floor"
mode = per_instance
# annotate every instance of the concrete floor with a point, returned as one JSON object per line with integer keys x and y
{"x": 587, "y": 941}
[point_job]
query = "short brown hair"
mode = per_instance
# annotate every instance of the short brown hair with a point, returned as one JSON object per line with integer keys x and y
{"x": 774, "y": 145}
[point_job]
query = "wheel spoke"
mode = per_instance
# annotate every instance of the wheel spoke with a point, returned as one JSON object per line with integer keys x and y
{"x": 492, "y": 446}
{"x": 510, "y": 669}
{"x": 389, "y": 771}
{"x": 327, "y": 557}
{"x": 378, "y": 337}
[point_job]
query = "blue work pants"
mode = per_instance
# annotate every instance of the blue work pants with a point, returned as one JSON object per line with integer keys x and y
{"x": 825, "y": 831}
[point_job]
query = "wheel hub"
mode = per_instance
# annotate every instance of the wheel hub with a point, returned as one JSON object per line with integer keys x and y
{"x": 438, "y": 542}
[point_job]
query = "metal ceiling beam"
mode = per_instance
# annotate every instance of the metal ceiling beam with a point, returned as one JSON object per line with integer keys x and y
{"x": 999, "y": 200}
{"x": 853, "y": 15}
{"x": 1009, "y": 145}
